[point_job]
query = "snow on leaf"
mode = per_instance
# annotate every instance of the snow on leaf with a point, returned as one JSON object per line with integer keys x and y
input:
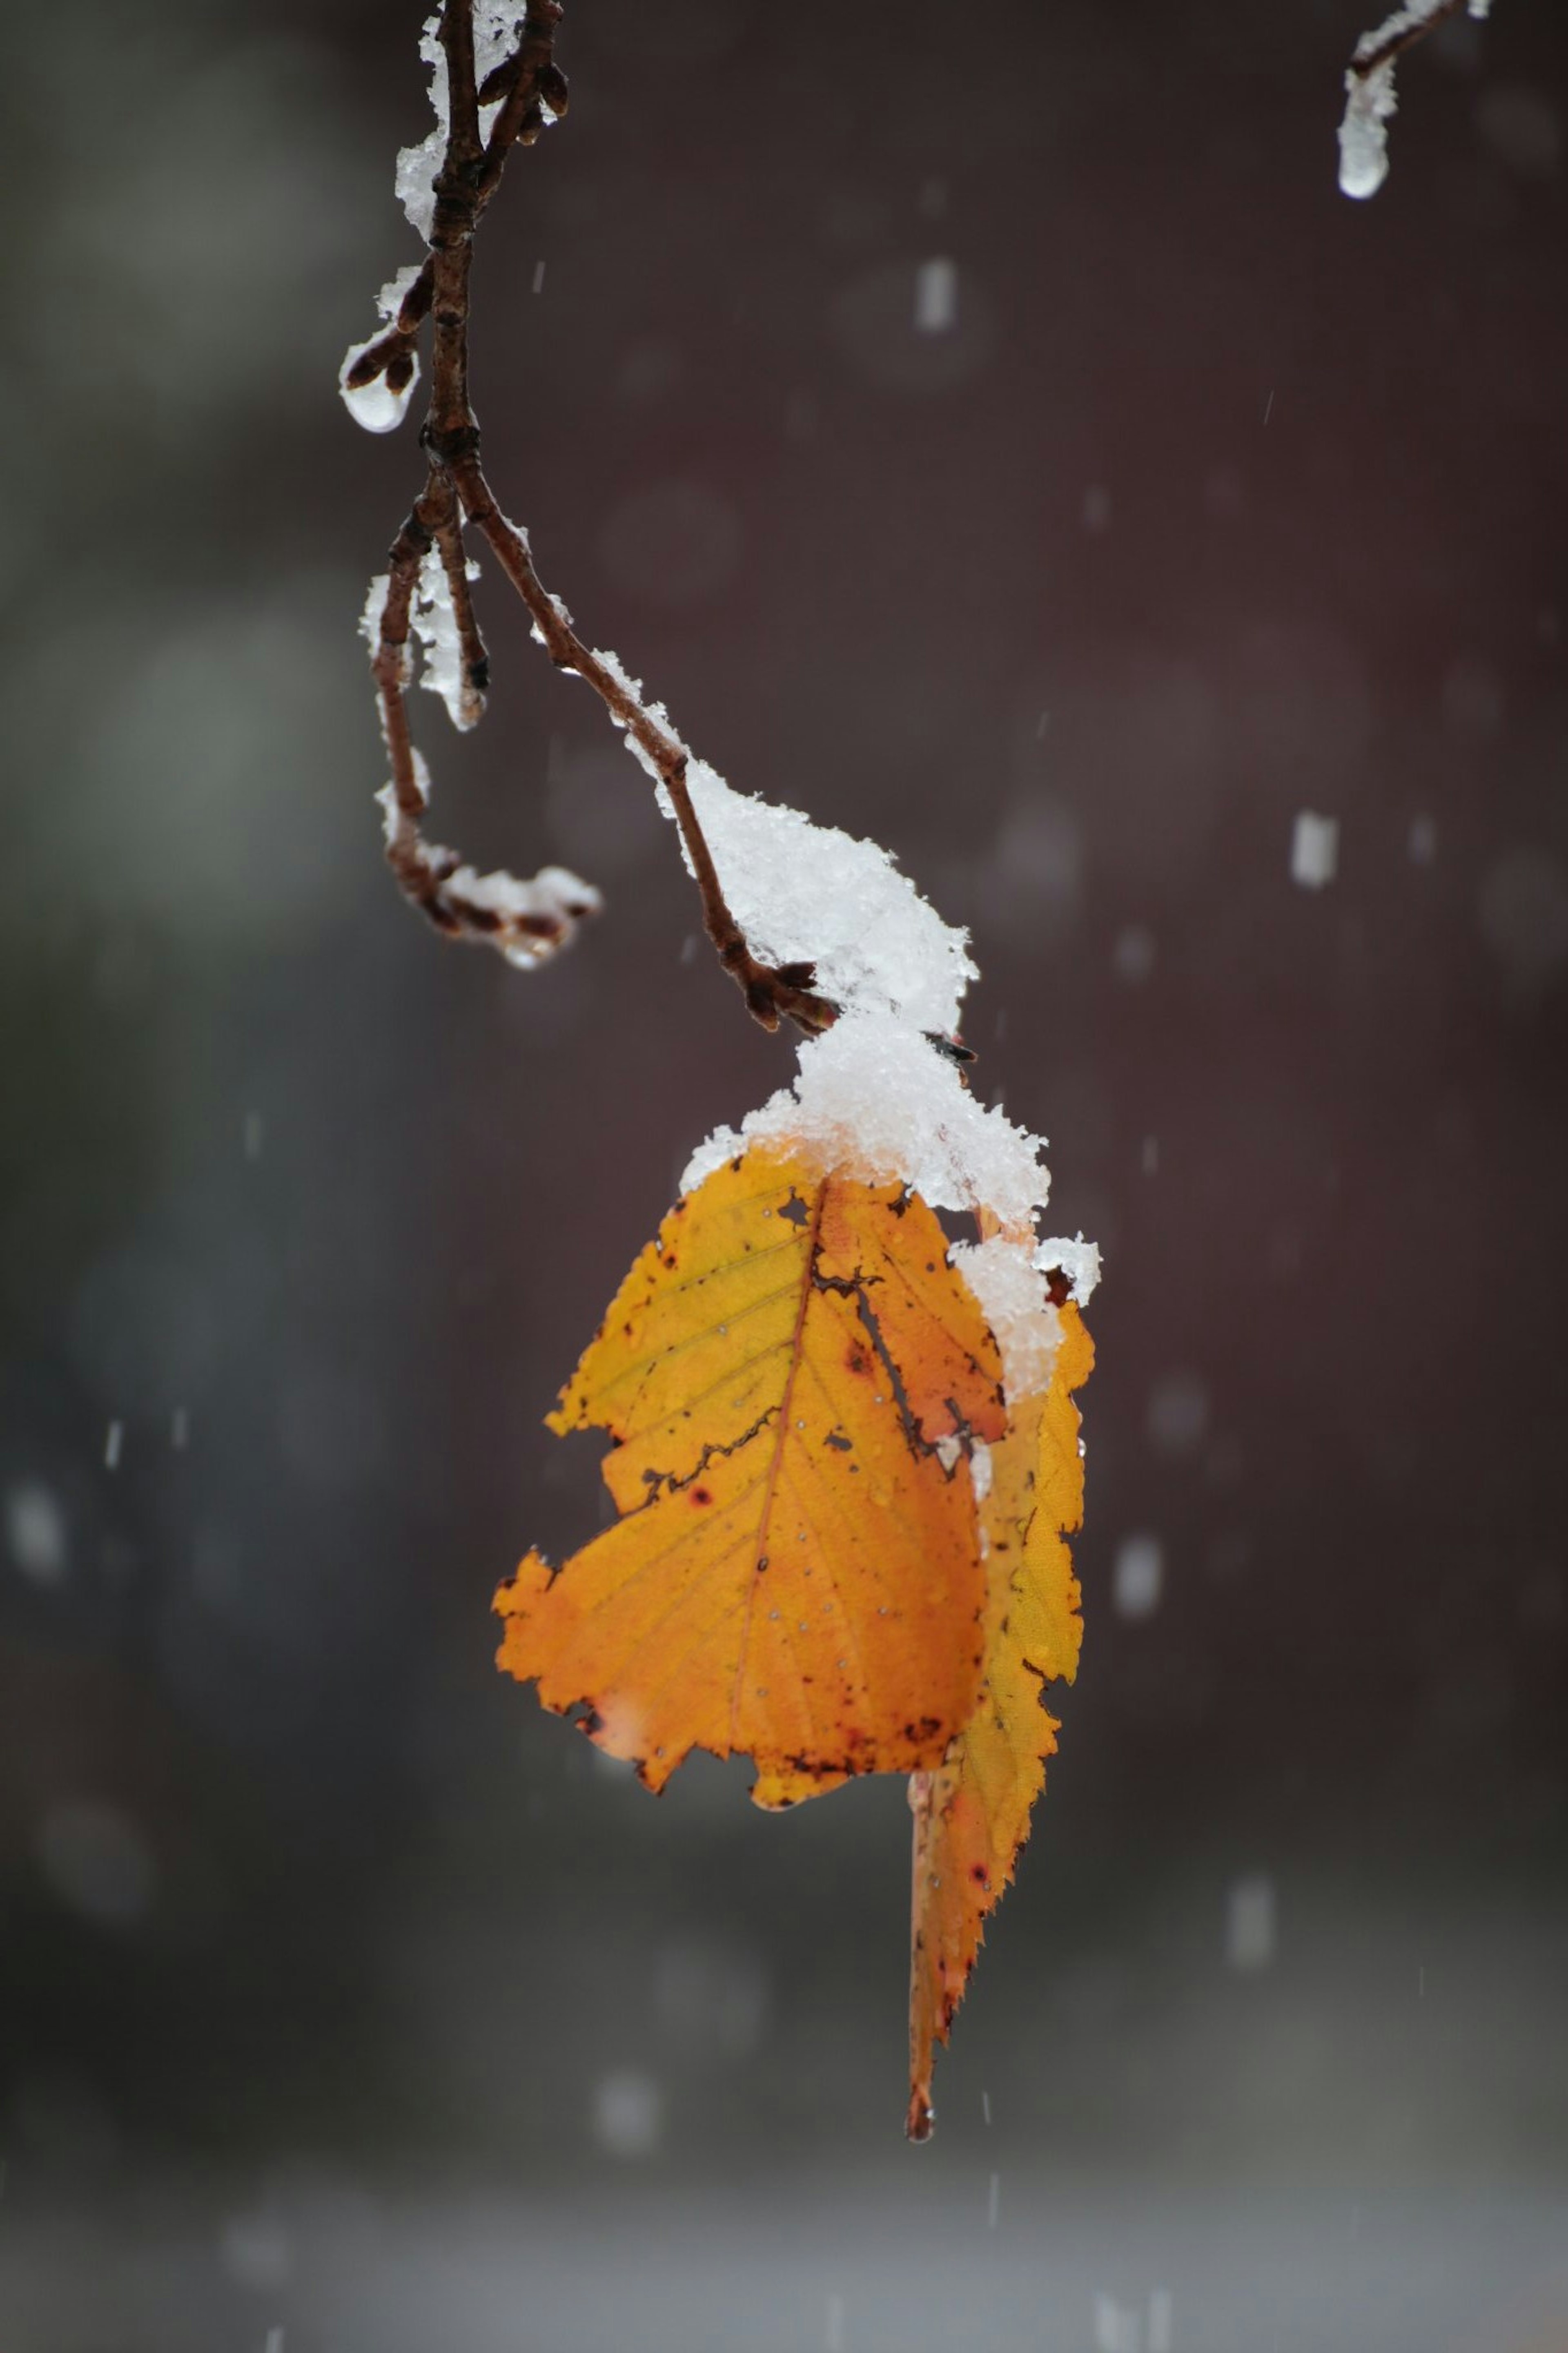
{"x": 972, "y": 1812}
{"x": 874, "y": 1097}
{"x": 795, "y": 1572}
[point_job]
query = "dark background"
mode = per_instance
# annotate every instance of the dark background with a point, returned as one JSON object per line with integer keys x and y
{"x": 344, "y": 1995}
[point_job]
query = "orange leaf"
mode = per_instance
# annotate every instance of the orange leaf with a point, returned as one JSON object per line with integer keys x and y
{"x": 791, "y": 1374}
{"x": 972, "y": 1813}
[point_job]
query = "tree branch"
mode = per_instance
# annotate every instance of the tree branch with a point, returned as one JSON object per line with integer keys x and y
{"x": 1402, "y": 32}
{"x": 526, "y": 920}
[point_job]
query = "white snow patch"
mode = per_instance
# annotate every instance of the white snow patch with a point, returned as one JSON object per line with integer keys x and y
{"x": 553, "y": 891}
{"x": 808, "y": 893}
{"x": 631, "y": 688}
{"x": 370, "y": 620}
{"x": 375, "y": 406}
{"x": 495, "y": 38}
{"x": 435, "y": 624}
{"x": 1010, "y": 1289}
{"x": 1363, "y": 139}
{"x": 1369, "y": 101}
{"x": 804, "y": 892}
{"x": 418, "y": 166}
{"x": 561, "y": 615}
{"x": 1079, "y": 1261}
{"x": 390, "y": 300}
{"x": 874, "y": 1100}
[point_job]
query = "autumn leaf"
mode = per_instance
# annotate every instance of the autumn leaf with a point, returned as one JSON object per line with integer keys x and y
{"x": 793, "y": 1377}
{"x": 972, "y": 1813}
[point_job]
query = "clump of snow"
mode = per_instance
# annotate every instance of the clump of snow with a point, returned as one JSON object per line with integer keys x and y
{"x": 435, "y": 624}
{"x": 417, "y": 166}
{"x": 1011, "y": 1290}
{"x": 495, "y": 38}
{"x": 1314, "y": 849}
{"x": 375, "y": 406}
{"x": 631, "y": 687}
{"x": 553, "y": 888}
{"x": 495, "y": 34}
{"x": 874, "y": 1099}
{"x": 1363, "y": 139}
{"x": 555, "y": 893}
{"x": 805, "y": 891}
{"x": 1369, "y": 101}
{"x": 1078, "y": 1262}
{"x": 390, "y": 300}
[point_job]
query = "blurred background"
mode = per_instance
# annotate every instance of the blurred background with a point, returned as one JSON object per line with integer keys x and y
{"x": 992, "y": 431}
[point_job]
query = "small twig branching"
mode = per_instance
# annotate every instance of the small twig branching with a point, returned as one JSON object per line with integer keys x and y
{"x": 1369, "y": 101}
{"x": 528, "y": 921}
{"x": 1402, "y": 32}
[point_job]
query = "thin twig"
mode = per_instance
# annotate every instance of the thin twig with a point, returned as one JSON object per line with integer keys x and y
{"x": 476, "y": 660}
{"x": 772, "y": 991}
{"x": 1392, "y": 40}
{"x": 526, "y": 919}
{"x": 525, "y": 84}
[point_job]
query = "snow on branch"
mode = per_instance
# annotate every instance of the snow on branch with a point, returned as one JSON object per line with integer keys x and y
{"x": 815, "y": 928}
{"x": 495, "y": 85}
{"x": 1369, "y": 89}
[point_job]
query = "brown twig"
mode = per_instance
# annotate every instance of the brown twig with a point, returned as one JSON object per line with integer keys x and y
{"x": 1384, "y": 50}
{"x": 526, "y": 84}
{"x": 526, "y": 919}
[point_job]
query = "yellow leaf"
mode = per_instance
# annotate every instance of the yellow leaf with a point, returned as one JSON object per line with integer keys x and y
{"x": 791, "y": 1375}
{"x": 972, "y": 1813}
